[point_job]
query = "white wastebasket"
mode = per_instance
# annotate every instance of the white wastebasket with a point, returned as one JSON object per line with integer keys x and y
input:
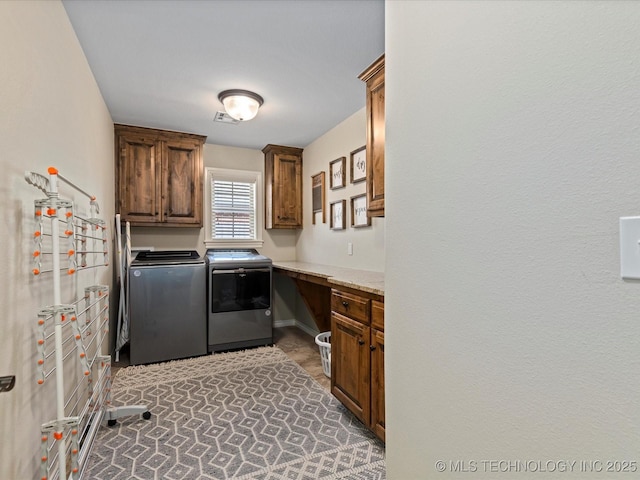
{"x": 324, "y": 342}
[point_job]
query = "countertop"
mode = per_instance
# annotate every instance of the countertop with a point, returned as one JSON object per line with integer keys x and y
{"x": 365, "y": 280}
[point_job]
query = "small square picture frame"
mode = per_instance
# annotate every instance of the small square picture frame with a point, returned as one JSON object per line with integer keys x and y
{"x": 359, "y": 217}
{"x": 337, "y": 215}
{"x": 337, "y": 173}
{"x": 358, "y": 164}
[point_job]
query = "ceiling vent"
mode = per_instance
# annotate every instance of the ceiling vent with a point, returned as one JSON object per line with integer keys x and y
{"x": 224, "y": 117}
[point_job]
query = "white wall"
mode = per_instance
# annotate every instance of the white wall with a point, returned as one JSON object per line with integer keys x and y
{"x": 318, "y": 243}
{"x": 512, "y": 150}
{"x": 314, "y": 243}
{"x": 51, "y": 114}
{"x": 278, "y": 244}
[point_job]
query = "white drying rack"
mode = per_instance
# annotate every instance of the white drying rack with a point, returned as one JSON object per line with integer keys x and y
{"x": 66, "y": 329}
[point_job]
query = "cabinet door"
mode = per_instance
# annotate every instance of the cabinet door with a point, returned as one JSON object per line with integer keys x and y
{"x": 350, "y": 365}
{"x": 283, "y": 186}
{"x": 377, "y": 383}
{"x": 287, "y": 191}
{"x": 138, "y": 183}
{"x": 375, "y": 144}
{"x": 182, "y": 183}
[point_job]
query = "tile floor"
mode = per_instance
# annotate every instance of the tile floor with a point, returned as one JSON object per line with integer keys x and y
{"x": 298, "y": 345}
{"x": 301, "y": 348}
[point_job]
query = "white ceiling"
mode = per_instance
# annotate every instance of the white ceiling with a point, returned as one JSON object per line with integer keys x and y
{"x": 162, "y": 64}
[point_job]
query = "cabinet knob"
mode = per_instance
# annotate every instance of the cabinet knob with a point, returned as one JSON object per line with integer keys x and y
{"x": 345, "y": 304}
{"x": 372, "y": 347}
{"x": 360, "y": 342}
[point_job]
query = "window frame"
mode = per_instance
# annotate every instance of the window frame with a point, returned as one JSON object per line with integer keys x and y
{"x": 246, "y": 176}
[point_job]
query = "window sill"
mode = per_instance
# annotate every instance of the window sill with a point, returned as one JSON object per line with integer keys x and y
{"x": 233, "y": 243}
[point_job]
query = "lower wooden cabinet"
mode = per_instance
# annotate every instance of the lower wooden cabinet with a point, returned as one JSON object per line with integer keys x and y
{"x": 357, "y": 357}
{"x": 377, "y": 383}
{"x": 350, "y": 365}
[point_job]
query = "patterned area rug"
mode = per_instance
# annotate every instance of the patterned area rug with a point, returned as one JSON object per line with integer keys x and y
{"x": 245, "y": 415}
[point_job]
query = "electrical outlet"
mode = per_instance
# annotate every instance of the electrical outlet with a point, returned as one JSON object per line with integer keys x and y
{"x": 7, "y": 383}
{"x": 349, "y": 248}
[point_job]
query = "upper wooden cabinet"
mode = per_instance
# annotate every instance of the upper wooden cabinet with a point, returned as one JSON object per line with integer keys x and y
{"x": 158, "y": 177}
{"x": 283, "y": 186}
{"x": 374, "y": 78}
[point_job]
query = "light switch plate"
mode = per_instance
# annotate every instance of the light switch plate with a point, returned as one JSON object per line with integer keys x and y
{"x": 630, "y": 247}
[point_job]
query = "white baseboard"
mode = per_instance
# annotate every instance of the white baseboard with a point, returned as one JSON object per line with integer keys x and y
{"x": 285, "y": 323}
{"x": 292, "y": 322}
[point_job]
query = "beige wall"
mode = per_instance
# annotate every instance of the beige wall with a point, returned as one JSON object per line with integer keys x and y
{"x": 512, "y": 150}
{"x": 51, "y": 114}
{"x": 278, "y": 244}
{"x": 314, "y": 243}
{"x": 318, "y": 243}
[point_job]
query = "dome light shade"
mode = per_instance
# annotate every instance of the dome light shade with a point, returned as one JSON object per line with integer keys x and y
{"x": 242, "y": 105}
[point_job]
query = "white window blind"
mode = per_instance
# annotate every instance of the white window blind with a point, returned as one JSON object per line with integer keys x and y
{"x": 233, "y": 210}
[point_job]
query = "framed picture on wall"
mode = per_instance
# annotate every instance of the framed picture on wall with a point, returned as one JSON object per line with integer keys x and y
{"x": 317, "y": 197}
{"x": 359, "y": 216}
{"x": 337, "y": 173}
{"x": 358, "y": 165}
{"x": 337, "y": 215}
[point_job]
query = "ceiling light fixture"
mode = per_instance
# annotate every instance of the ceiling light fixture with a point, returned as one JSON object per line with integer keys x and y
{"x": 242, "y": 105}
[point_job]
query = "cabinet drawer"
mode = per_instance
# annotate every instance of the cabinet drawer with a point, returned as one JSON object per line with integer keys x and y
{"x": 377, "y": 314}
{"x": 352, "y": 306}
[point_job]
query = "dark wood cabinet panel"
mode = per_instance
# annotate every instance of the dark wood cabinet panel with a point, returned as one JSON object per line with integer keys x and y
{"x": 158, "y": 177}
{"x": 317, "y": 298}
{"x": 283, "y": 186}
{"x": 353, "y": 306}
{"x": 374, "y": 78}
{"x": 183, "y": 191}
{"x": 139, "y": 185}
{"x": 377, "y": 314}
{"x": 357, "y": 356}
{"x": 377, "y": 383}
{"x": 350, "y": 372}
